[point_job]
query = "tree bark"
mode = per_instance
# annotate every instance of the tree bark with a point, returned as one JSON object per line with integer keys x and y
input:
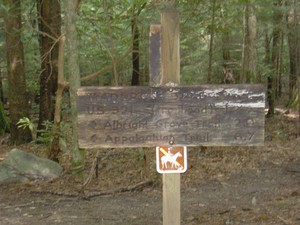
{"x": 74, "y": 78}
{"x": 275, "y": 58}
{"x": 55, "y": 147}
{"x": 18, "y": 107}
{"x": 267, "y": 58}
{"x": 211, "y": 42}
{"x": 112, "y": 47}
{"x": 1, "y": 88}
{"x": 225, "y": 43}
{"x": 49, "y": 17}
{"x": 294, "y": 53}
{"x": 249, "y": 58}
{"x": 135, "y": 80}
{"x": 3, "y": 120}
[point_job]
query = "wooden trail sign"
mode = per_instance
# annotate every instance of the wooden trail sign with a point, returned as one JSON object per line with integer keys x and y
{"x": 193, "y": 115}
{"x": 165, "y": 113}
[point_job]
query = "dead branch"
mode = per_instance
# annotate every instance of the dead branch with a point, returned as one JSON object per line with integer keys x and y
{"x": 92, "y": 171}
{"x": 136, "y": 187}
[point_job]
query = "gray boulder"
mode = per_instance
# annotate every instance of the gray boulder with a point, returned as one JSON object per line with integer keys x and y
{"x": 20, "y": 166}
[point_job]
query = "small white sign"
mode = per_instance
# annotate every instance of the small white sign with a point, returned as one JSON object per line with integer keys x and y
{"x": 171, "y": 159}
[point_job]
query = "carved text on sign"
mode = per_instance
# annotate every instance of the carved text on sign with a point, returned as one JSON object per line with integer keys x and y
{"x": 147, "y": 116}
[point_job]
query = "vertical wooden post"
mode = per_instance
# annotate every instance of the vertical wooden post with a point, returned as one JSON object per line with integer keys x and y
{"x": 155, "y": 55}
{"x": 170, "y": 75}
{"x": 170, "y": 57}
{"x": 167, "y": 73}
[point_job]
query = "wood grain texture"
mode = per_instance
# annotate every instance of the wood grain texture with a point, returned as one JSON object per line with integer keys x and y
{"x": 170, "y": 46}
{"x": 170, "y": 76}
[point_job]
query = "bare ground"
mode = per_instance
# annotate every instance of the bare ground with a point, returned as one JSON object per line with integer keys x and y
{"x": 222, "y": 186}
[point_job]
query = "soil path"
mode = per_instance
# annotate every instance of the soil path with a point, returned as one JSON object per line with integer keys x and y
{"x": 267, "y": 195}
{"x": 222, "y": 186}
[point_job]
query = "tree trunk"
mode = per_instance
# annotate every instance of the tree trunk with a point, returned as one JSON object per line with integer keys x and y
{"x": 55, "y": 147}
{"x": 18, "y": 107}
{"x": 294, "y": 45}
{"x": 135, "y": 80}
{"x": 211, "y": 42}
{"x": 1, "y": 88}
{"x": 74, "y": 78}
{"x": 3, "y": 120}
{"x": 228, "y": 75}
{"x": 267, "y": 59}
{"x": 112, "y": 48}
{"x": 249, "y": 58}
{"x": 275, "y": 59}
{"x": 225, "y": 45}
{"x": 49, "y": 17}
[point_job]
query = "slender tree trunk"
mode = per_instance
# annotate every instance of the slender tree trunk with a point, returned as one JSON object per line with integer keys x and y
{"x": 249, "y": 58}
{"x": 18, "y": 107}
{"x": 74, "y": 77}
{"x": 275, "y": 59}
{"x": 3, "y": 120}
{"x": 135, "y": 80}
{"x": 280, "y": 67}
{"x": 55, "y": 147}
{"x": 112, "y": 48}
{"x": 294, "y": 53}
{"x": 267, "y": 58}
{"x": 49, "y": 17}
{"x": 225, "y": 45}
{"x": 228, "y": 75}
{"x": 272, "y": 78}
{"x": 211, "y": 42}
{"x": 1, "y": 88}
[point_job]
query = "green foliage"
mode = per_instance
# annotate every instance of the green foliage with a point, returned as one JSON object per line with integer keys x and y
{"x": 25, "y": 122}
{"x": 45, "y": 136}
{"x": 104, "y": 29}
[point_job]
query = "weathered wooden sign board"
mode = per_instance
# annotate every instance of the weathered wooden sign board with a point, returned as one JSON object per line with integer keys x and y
{"x": 214, "y": 115}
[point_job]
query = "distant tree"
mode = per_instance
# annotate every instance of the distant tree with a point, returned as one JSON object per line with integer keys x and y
{"x": 249, "y": 58}
{"x": 3, "y": 120}
{"x": 49, "y": 17}
{"x": 18, "y": 105}
{"x": 211, "y": 40}
{"x": 135, "y": 79}
{"x": 1, "y": 87}
{"x": 225, "y": 42}
{"x": 275, "y": 56}
{"x": 111, "y": 40}
{"x": 294, "y": 51}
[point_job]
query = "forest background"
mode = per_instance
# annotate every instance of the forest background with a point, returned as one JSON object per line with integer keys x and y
{"x": 107, "y": 44}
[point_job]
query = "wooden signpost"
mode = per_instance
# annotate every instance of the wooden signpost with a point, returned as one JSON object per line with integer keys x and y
{"x": 166, "y": 114}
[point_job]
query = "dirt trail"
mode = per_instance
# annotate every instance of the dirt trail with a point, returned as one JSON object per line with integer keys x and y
{"x": 222, "y": 186}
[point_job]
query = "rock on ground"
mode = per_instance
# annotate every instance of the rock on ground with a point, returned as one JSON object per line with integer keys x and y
{"x": 20, "y": 166}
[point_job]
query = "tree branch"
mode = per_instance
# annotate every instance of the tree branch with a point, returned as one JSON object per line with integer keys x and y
{"x": 107, "y": 68}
